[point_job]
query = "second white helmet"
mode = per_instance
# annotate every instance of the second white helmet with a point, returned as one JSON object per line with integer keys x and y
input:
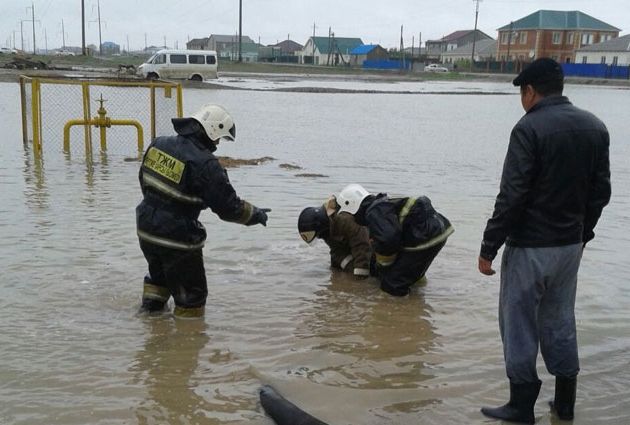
{"x": 350, "y": 198}
{"x": 216, "y": 121}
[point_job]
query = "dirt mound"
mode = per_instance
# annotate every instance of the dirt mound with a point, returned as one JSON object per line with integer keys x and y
{"x": 311, "y": 175}
{"x": 290, "y": 166}
{"x": 228, "y": 162}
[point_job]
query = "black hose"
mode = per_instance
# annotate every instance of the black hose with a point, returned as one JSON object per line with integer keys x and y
{"x": 282, "y": 411}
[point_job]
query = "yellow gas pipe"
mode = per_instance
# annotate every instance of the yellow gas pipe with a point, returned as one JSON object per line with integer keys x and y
{"x": 102, "y": 122}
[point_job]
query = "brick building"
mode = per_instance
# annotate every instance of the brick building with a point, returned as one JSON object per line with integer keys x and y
{"x": 551, "y": 33}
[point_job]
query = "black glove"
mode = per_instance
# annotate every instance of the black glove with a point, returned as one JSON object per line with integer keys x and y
{"x": 259, "y": 216}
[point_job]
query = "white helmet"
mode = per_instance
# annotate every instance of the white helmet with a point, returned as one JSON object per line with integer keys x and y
{"x": 216, "y": 122}
{"x": 350, "y": 198}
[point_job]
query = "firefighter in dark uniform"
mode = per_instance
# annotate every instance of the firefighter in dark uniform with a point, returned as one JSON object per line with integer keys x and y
{"x": 348, "y": 242}
{"x": 179, "y": 177}
{"x": 406, "y": 234}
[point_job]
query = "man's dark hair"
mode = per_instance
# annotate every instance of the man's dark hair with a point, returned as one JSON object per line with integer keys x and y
{"x": 545, "y": 75}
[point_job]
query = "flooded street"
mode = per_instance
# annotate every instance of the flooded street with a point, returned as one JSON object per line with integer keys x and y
{"x": 73, "y": 351}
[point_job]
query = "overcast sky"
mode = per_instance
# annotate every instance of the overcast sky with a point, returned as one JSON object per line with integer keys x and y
{"x": 271, "y": 21}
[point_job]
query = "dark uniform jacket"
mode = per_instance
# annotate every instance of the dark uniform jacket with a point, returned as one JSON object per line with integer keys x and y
{"x": 349, "y": 245}
{"x": 179, "y": 177}
{"x": 403, "y": 224}
{"x": 555, "y": 182}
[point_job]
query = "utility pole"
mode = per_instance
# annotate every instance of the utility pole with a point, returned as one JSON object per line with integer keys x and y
{"x": 313, "y": 43}
{"x": 329, "y": 46}
{"x": 83, "y": 27}
{"x": 402, "y": 52}
{"x": 100, "y": 41}
{"x": 240, "y": 30}
{"x": 33, "y": 19}
{"x": 98, "y": 20}
{"x": 413, "y": 41}
{"x": 22, "y": 34}
{"x": 509, "y": 41}
{"x": 472, "y": 56}
{"x": 14, "y": 38}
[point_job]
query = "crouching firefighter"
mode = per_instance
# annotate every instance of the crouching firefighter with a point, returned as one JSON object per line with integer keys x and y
{"x": 348, "y": 242}
{"x": 179, "y": 177}
{"x": 406, "y": 234}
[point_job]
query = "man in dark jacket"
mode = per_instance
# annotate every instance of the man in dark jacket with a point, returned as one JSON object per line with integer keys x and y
{"x": 348, "y": 242}
{"x": 555, "y": 183}
{"x": 406, "y": 234}
{"x": 179, "y": 177}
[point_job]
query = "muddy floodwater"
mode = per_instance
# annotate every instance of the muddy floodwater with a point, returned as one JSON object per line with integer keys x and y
{"x": 72, "y": 350}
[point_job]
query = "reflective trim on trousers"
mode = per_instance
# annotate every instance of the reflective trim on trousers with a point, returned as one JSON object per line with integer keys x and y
{"x": 346, "y": 261}
{"x": 385, "y": 260}
{"x": 154, "y": 292}
{"x": 168, "y": 243}
{"x": 361, "y": 272}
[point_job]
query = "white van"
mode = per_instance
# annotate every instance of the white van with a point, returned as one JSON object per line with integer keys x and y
{"x": 195, "y": 65}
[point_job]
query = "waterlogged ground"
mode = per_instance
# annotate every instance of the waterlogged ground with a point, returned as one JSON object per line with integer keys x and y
{"x": 73, "y": 351}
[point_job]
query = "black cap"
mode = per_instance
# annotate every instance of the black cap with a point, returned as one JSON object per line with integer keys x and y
{"x": 542, "y": 70}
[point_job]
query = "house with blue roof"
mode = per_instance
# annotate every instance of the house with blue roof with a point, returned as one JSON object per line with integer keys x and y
{"x": 328, "y": 50}
{"x": 554, "y": 34}
{"x": 372, "y": 52}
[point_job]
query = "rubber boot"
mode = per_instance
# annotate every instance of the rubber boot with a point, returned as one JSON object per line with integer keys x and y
{"x": 564, "y": 401}
{"x": 154, "y": 298}
{"x": 152, "y": 306}
{"x": 188, "y": 312}
{"x": 520, "y": 408}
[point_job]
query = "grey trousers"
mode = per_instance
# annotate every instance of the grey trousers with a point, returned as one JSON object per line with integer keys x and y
{"x": 536, "y": 305}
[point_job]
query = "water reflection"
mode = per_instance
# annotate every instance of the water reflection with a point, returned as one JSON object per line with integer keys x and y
{"x": 35, "y": 189}
{"x": 369, "y": 340}
{"x": 166, "y": 366}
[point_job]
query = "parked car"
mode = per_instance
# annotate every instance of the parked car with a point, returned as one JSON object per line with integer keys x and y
{"x": 195, "y": 65}
{"x": 7, "y": 51}
{"x": 64, "y": 53}
{"x": 434, "y": 67}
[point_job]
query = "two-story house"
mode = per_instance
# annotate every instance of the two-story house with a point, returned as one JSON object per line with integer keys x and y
{"x": 551, "y": 33}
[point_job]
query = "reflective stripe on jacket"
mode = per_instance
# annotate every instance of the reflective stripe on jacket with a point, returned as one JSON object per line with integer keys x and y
{"x": 180, "y": 177}
{"x": 404, "y": 224}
